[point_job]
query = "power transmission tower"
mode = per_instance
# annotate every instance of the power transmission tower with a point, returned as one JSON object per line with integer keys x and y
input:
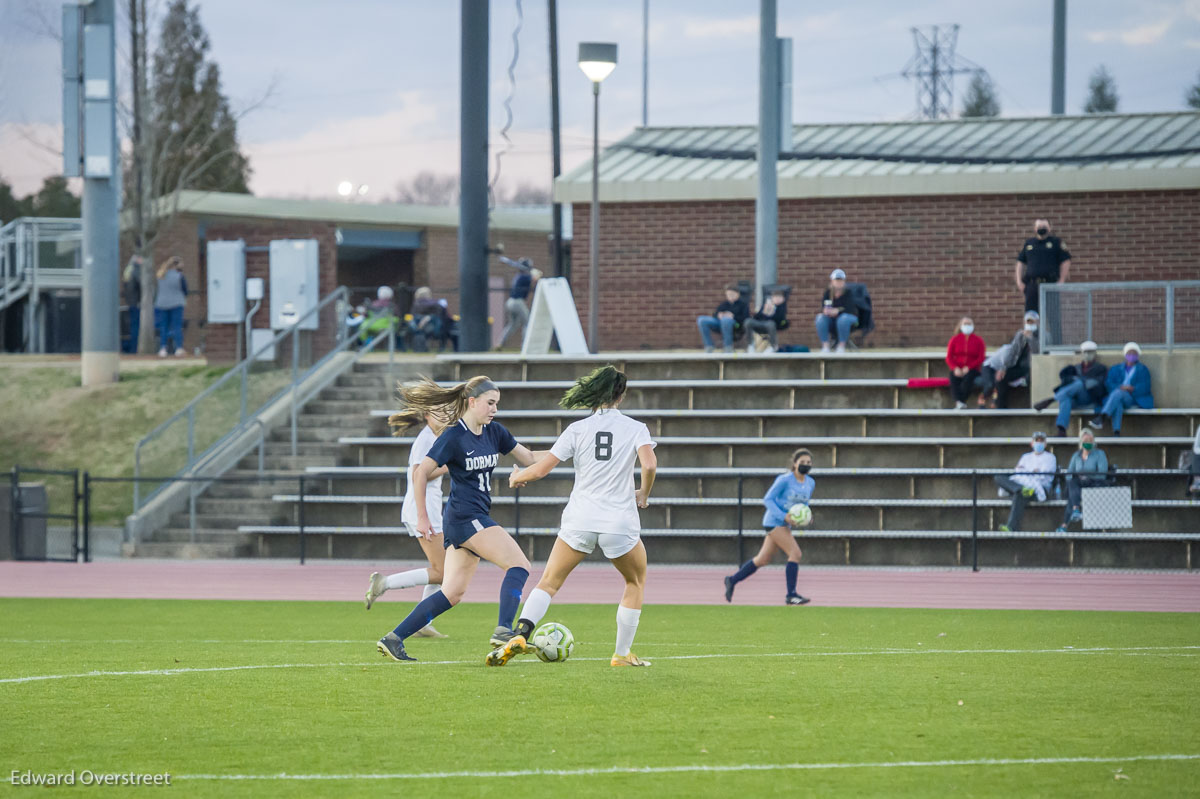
{"x": 934, "y": 66}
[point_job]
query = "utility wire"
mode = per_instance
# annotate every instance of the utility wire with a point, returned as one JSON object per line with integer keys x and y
{"x": 508, "y": 113}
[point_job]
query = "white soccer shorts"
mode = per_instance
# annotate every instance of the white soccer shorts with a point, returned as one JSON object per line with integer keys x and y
{"x": 613, "y": 545}
{"x": 412, "y": 530}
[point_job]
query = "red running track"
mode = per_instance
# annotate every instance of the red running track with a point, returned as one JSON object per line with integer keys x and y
{"x": 599, "y": 583}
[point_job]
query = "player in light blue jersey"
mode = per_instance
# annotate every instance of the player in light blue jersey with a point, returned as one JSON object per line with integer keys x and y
{"x": 470, "y": 447}
{"x": 788, "y": 489}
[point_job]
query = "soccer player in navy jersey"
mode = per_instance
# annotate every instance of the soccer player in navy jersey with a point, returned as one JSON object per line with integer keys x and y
{"x": 470, "y": 445}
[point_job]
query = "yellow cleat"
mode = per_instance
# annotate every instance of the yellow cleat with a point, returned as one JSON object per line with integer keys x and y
{"x": 629, "y": 660}
{"x": 502, "y": 654}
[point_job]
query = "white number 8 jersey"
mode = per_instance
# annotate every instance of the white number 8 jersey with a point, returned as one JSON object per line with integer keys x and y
{"x": 604, "y": 447}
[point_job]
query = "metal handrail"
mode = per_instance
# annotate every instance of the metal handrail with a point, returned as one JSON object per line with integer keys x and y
{"x": 1049, "y": 326}
{"x": 241, "y": 371}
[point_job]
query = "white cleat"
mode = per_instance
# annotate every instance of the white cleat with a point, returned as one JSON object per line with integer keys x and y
{"x": 376, "y": 588}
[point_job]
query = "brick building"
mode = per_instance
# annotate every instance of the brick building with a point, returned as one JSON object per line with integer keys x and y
{"x": 931, "y": 215}
{"x": 360, "y": 246}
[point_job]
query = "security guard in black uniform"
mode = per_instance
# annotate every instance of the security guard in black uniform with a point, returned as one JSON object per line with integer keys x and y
{"x": 1043, "y": 259}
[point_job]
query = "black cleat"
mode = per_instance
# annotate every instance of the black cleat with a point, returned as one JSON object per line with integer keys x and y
{"x": 392, "y": 646}
{"x": 729, "y": 584}
{"x": 796, "y": 599}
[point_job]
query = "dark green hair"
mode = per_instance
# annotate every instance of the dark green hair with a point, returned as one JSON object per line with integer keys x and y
{"x": 603, "y": 386}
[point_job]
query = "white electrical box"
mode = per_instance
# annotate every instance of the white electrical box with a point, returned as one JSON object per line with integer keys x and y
{"x": 260, "y": 337}
{"x": 226, "y": 281}
{"x": 294, "y": 272}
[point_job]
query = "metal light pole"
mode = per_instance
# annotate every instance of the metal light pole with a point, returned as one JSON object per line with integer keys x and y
{"x": 597, "y": 60}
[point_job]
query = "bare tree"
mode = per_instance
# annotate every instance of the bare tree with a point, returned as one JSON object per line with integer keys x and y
{"x": 526, "y": 194}
{"x": 428, "y": 188}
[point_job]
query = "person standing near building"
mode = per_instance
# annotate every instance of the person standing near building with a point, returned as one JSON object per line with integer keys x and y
{"x": 1043, "y": 259}
{"x": 168, "y": 306}
{"x": 131, "y": 296}
{"x": 516, "y": 312}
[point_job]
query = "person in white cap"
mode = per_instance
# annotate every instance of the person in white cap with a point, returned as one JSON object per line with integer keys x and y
{"x": 1079, "y": 384}
{"x": 1128, "y": 384}
{"x": 838, "y": 311}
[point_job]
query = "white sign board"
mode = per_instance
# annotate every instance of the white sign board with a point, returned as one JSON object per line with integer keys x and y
{"x": 554, "y": 314}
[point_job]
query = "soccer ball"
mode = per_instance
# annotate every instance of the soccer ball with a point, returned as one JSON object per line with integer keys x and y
{"x": 799, "y": 515}
{"x": 552, "y": 642}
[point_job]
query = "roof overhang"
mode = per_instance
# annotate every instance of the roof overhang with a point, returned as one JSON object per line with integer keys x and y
{"x": 968, "y": 181}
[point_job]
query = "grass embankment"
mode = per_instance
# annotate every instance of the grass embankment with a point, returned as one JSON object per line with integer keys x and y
{"x": 51, "y": 422}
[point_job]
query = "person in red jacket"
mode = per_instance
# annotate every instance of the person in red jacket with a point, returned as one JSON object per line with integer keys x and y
{"x": 964, "y": 355}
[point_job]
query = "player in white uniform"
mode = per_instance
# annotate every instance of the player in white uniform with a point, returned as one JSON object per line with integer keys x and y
{"x": 431, "y": 577}
{"x": 602, "y": 509}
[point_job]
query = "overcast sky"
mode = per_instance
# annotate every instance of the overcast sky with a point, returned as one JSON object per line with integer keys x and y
{"x": 367, "y": 90}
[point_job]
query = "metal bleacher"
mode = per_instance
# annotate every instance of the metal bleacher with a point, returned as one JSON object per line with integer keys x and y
{"x": 902, "y": 478}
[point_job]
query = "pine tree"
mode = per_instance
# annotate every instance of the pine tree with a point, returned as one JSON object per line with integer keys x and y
{"x": 981, "y": 98}
{"x": 55, "y": 199}
{"x": 1193, "y": 95}
{"x": 1102, "y": 92}
{"x": 193, "y": 133}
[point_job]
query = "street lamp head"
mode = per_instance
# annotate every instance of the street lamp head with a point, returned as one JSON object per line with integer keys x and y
{"x": 597, "y": 59}
{"x": 345, "y": 188}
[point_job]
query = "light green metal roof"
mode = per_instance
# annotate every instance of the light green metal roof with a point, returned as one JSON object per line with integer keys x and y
{"x": 1101, "y": 152}
{"x": 203, "y": 203}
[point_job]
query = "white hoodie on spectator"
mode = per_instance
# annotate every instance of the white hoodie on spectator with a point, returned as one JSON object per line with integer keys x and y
{"x": 1037, "y": 472}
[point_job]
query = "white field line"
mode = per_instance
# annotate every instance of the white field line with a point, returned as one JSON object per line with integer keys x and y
{"x": 589, "y": 772}
{"x": 1101, "y": 650}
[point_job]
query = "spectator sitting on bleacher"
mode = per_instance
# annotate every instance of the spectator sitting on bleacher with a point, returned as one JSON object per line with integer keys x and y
{"x": 428, "y": 320}
{"x": 1194, "y": 488}
{"x": 1128, "y": 384}
{"x": 1079, "y": 384}
{"x": 380, "y": 315}
{"x": 1034, "y": 476}
{"x": 1088, "y": 467}
{"x": 770, "y": 319}
{"x": 838, "y": 312}
{"x": 1010, "y": 365}
{"x": 964, "y": 355}
{"x": 728, "y": 318}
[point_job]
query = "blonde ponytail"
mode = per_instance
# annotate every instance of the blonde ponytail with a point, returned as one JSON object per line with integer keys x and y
{"x": 446, "y": 405}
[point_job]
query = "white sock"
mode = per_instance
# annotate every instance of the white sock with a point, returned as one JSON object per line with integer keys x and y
{"x": 430, "y": 590}
{"x": 408, "y": 579}
{"x": 535, "y": 606}
{"x": 627, "y": 622}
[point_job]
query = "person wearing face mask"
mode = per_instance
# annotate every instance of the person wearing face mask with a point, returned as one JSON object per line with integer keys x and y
{"x": 1079, "y": 384}
{"x": 965, "y": 353}
{"x": 1088, "y": 467}
{"x": 1043, "y": 259}
{"x": 1009, "y": 365}
{"x": 1128, "y": 384}
{"x": 789, "y": 488}
{"x": 1030, "y": 480}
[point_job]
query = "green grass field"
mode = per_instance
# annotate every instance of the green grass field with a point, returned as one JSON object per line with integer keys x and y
{"x": 888, "y": 696}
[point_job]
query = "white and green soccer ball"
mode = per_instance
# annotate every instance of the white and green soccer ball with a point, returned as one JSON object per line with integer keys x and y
{"x": 799, "y": 515}
{"x": 552, "y": 642}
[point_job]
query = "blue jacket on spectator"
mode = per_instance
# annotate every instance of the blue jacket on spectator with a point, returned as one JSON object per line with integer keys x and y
{"x": 1140, "y": 380}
